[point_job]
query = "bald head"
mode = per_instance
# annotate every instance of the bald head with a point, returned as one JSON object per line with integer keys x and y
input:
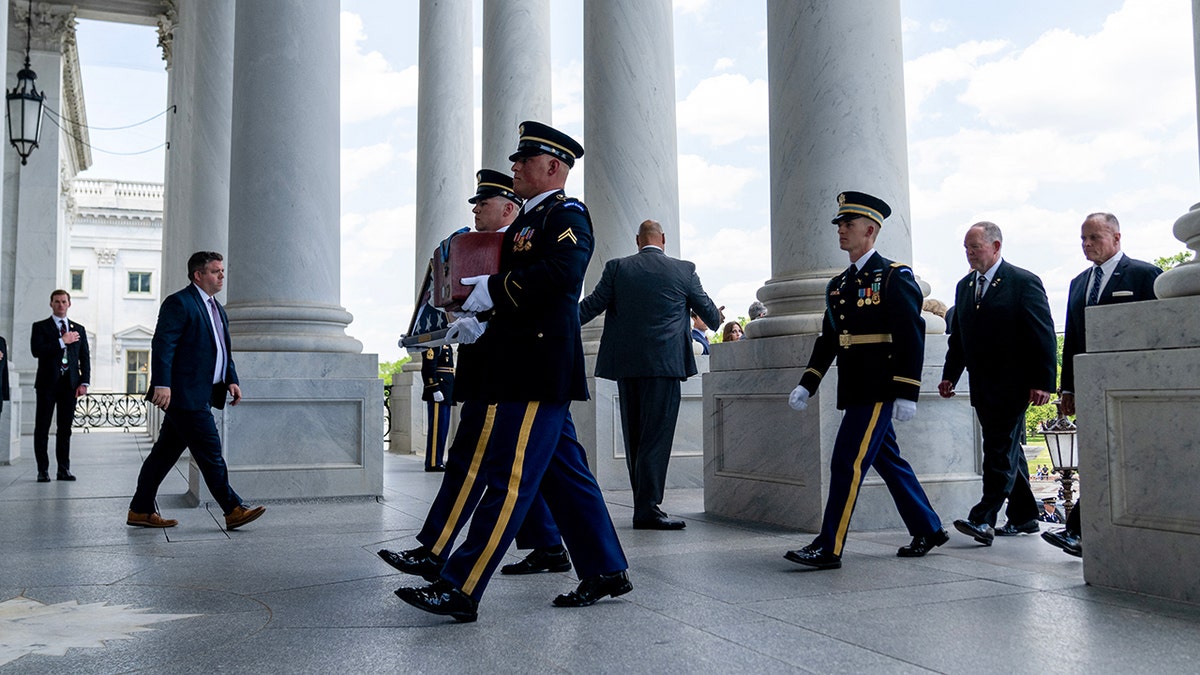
{"x": 650, "y": 233}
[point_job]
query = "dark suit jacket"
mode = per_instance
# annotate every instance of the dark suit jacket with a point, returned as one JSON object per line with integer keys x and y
{"x": 43, "y": 342}
{"x": 3, "y": 373}
{"x": 646, "y": 299}
{"x": 183, "y": 353}
{"x": 532, "y": 349}
{"x": 1007, "y": 343}
{"x": 1131, "y": 281}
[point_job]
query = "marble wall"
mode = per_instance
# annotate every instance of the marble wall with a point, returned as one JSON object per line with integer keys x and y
{"x": 1137, "y": 394}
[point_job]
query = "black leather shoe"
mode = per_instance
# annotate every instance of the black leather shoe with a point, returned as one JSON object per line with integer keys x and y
{"x": 658, "y": 523}
{"x": 923, "y": 544}
{"x": 981, "y": 532}
{"x": 417, "y": 562}
{"x": 595, "y": 588}
{"x": 815, "y": 556}
{"x": 443, "y": 599}
{"x": 63, "y": 474}
{"x": 1065, "y": 539}
{"x": 434, "y": 469}
{"x": 43, "y": 477}
{"x": 1010, "y": 530}
{"x": 548, "y": 559}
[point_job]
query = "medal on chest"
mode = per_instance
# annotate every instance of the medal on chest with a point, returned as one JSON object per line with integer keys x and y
{"x": 523, "y": 241}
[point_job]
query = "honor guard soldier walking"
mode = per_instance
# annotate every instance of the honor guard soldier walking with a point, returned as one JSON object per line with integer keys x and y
{"x": 495, "y": 206}
{"x": 532, "y": 445}
{"x": 873, "y": 327}
{"x": 437, "y": 372}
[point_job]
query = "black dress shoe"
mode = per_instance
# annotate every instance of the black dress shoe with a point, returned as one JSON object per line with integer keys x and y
{"x": 443, "y": 599}
{"x": 1010, "y": 530}
{"x": 658, "y": 522}
{"x": 815, "y": 556}
{"x": 434, "y": 469}
{"x": 547, "y": 559}
{"x": 595, "y": 588}
{"x": 63, "y": 474}
{"x": 43, "y": 477}
{"x": 1065, "y": 539}
{"x": 981, "y": 532}
{"x": 417, "y": 561}
{"x": 923, "y": 544}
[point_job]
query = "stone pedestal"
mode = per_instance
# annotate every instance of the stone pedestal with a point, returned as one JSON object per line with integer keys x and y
{"x": 767, "y": 463}
{"x": 408, "y": 421}
{"x": 10, "y": 422}
{"x": 598, "y": 423}
{"x": 1137, "y": 398}
{"x": 310, "y": 425}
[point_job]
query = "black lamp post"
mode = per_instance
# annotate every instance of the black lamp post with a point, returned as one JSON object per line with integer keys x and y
{"x": 25, "y": 103}
{"x": 1060, "y": 440}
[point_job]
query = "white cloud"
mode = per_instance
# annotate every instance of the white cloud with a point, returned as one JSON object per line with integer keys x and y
{"x": 725, "y": 109}
{"x": 705, "y": 185}
{"x": 1117, "y": 77}
{"x": 360, "y": 163}
{"x": 690, "y": 6}
{"x": 926, "y": 73}
{"x": 370, "y": 87}
{"x": 724, "y": 63}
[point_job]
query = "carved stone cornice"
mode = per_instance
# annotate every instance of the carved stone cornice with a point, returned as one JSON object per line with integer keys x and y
{"x": 168, "y": 21}
{"x": 51, "y": 24}
{"x": 73, "y": 115}
{"x": 106, "y": 257}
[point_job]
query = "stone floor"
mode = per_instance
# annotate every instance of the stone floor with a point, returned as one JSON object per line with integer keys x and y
{"x": 302, "y": 591}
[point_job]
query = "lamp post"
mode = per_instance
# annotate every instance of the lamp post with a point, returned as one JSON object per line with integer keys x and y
{"x": 25, "y": 103}
{"x": 1060, "y": 439}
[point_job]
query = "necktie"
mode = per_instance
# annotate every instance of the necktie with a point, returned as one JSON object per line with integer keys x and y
{"x": 62, "y": 330}
{"x": 979, "y": 286}
{"x": 1097, "y": 280}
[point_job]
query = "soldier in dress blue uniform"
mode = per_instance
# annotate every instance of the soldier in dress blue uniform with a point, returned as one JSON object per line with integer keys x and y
{"x": 437, "y": 373}
{"x": 533, "y": 370}
{"x": 873, "y": 327}
{"x": 495, "y": 206}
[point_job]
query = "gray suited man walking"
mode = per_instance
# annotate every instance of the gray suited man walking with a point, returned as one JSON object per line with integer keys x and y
{"x": 646, "y": 347}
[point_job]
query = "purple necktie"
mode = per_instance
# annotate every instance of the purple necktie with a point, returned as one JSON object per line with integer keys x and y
{"x": 216, "y": 317}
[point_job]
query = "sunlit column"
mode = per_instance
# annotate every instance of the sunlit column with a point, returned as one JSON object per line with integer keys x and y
{"x": 516, "y": 74}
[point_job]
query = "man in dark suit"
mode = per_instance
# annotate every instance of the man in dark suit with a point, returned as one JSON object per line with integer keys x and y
{"x": 495, "y": 206}
{"x": 64, "y": 370}
{"x": 3, "y": 373}
{"x": 1113, "y": 278}
{"x": 191, "y": 372}
{"x": 533, "y": 370}
{"x": 1003, "y": 335}
{"x": 873, "y": 327}
{"x": 646, "y": 299}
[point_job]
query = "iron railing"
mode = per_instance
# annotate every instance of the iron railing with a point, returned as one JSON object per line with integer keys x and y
{"x": 387, "y": 413}
{"x": 111, "y": 411}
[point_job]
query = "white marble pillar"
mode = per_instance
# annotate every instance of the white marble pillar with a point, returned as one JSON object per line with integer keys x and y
{"x": 10, "y": 431}
{"x": 196, "y": 209}
{"x": 34, "y": 197}
{"x": 311, "y": 423}
{"x": 836, "y": 123}
{"x": 445, "y": 127}
{"x": 516, "y": 74}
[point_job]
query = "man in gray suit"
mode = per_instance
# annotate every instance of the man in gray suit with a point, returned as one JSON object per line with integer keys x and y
{"x": 647, "y": 348}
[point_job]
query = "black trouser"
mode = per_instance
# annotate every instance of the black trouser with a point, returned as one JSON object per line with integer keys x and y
{"x": 1073, "y": 520}
{"x": 649, "y": 410}
{"x": 196, "y": 431}
{"x": 1005, "y": 472}
{"x": 59, "y": 397}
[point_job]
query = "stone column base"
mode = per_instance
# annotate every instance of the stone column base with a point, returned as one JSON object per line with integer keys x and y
{"x": 767, "y": 463}
{"x": 310, "y": 425}
{"x": 10, "y": 422}
{"x": 1137, "y": 397}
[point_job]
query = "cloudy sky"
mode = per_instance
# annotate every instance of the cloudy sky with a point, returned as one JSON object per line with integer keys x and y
{"x": 1027, "y": 113}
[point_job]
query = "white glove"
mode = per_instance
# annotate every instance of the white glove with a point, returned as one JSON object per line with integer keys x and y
{"x": 798, "y": 399}
{"x": 439, "y": 396}
{"x": 904, "y": 410}
{"x": 480, "y": 299}
{"x": 466, "y": 330}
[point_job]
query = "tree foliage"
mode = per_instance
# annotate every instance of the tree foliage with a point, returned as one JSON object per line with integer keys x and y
{"x": 386, "y": 368}
{"x": 1168, "y": 262}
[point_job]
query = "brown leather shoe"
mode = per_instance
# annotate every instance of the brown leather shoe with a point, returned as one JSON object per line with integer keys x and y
{"x": 148, "y": 520}
{"x": 241, "y": 515}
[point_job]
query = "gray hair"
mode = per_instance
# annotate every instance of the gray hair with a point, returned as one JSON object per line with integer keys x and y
{"x": 990, "y": 230}
{"x": 757, "y": 310}
{"x": 1108, "y": 218}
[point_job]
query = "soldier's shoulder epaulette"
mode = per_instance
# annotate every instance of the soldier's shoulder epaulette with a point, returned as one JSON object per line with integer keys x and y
{"x": 899, "y": 264}
{"x": 571, "y": 203}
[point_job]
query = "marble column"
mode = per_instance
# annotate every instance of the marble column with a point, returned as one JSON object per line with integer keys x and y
{"x": 200, "y": 86}
{"x": 516, "y": 74}
{"x": 311, "y": 424}
{"x": 1136, "y": 397}
{"x": 10, "y": 427}
{"x": 837, "y": 123}
{"x": 34, "y": 198}
{"x": 445, "y": 161}
{"x": 631, "y": 174}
